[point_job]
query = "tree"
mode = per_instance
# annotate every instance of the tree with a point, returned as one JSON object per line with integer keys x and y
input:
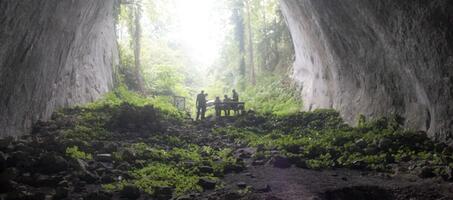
{"x": 238, "y": 20}
{"x": 137, "y": 46}
{"x": 250, "y": 39}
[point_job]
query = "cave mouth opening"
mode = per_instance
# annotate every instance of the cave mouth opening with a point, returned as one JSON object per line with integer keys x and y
{"x": 184, "y": 47}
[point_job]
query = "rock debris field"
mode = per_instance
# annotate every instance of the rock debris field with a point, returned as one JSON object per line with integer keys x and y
{"x": 132, "y": 152}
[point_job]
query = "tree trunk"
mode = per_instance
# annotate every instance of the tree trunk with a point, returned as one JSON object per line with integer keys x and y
{"x": 265, "y": 54}
{"x": 249, "y": 26}
{"x": 137, "y": 47}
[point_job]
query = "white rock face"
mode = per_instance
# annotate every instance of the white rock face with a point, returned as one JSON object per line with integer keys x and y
{"x": 53, "y": 53}
{"x": 376, "y": 57}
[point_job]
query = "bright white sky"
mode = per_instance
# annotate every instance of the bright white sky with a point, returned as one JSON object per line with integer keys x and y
{"x": 201, "y": 28}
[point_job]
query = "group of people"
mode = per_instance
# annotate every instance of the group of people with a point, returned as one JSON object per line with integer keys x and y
{"x": 201, "y": 104}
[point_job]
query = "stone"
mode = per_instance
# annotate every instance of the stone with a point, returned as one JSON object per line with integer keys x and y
{"x": 105, "y": 179}
{"x": 3, "y": 159}
{"x": 50, "y": 163}
{"x": 21, "y": 160}
{"x": 258, "y": 162}
{"x": 371, "y": 150}
{"x": 106, "y": 157}
{"x": 164, "y": 193}
{"x": 230, "y": 168}
{"x": 40, "y": 180}
{"x": 426, "y": 172}
{"x": 448, "y": 174}
{"x": 111, "y": 147}
{"x": 232, "y": 195}
{"x": 6, "y": 179}
{"x": 80, "y": 164}
{"x": 83, "y": 173}
{"x": 262, "y": 188}
{"x": 5, "y": 142}
{"x": 124, "y": 166}
{"x": 280, "y": 162}
{"x": 294, "y": 148}
{"x": 241, "y": 185}
{"x": 130, "y": 192}
{"x": 384, "y": 143}
{"x": 127, "y": 155}
{"x": 361, "y": 143}
{"x": 189, "y": 196}
{"x": 60, "y": 193}
{"x": 205, "y": 169}
{"x": 207, "y": 184}
{"x": 89, "y": 177}
{"x": 98, "y": 145}
{"x": 99, "y": 195}
{"x": 24, "y": 193}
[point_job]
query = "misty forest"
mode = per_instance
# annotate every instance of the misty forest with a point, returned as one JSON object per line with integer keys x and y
{"x": 226, "y": 99}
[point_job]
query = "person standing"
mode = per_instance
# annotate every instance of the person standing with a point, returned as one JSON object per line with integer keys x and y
{"x": 235, "y": 100}
{"x": 218, "y": 107}
{"x": 201, "y": 105}
{"x": 226, "y": 105}
{"x": 235, "y": 96}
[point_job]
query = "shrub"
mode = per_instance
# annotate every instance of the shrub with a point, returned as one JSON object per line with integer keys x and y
{"x": 75, "y": 153}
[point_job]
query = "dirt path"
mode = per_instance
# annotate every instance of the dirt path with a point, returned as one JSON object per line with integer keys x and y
{"x": 295, "y": 183}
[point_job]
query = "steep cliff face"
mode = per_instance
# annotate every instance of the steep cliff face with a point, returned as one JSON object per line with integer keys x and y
{"x": 53, "y": 53}
{"x": 376, "y": 57}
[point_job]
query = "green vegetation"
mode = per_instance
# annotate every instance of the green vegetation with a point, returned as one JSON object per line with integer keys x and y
{"x": 179, "y": 157}
{"x": 321, "y": 140}
{"x": 160, "y": 149}
{"x": 254, "y": 58}
{"x": 178, "y": 168}
{"x": 152, "y": 60}
{"x": 75, "y": 153}
{"x": 115, "y": 111}
{"x": 272, "y": 95}
{"x": 160, "y": 175}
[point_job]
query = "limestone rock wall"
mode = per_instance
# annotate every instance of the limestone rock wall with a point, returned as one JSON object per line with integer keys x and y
{"x": 376, "y": 57}
{"x": 53, "y": 53}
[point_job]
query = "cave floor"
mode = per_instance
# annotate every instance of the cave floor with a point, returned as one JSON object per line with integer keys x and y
{"x": 257, "y": 180}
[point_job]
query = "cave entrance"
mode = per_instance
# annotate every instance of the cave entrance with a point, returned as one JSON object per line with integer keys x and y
{"x": 178, "y": 48}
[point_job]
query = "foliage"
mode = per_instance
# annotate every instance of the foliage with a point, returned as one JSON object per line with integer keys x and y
{"x": 75, "y": 153}
{"x": 271, "y": 95}
{"x": 165, "y": 65}
{"x": 121, "y": 95}
{"x": 116, "y": 110}
{"x": 270, "y": 40}
{"x": 176, "y": 167}
{"x": 320, "y": 139}
{"x": 160, "y": 175}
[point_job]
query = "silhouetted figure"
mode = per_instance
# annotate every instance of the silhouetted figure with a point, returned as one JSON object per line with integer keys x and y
{"x": 201, "y": 105}
{"x": 235, "y": 96}
{"x": 235, "y": 99}
{"x": 218, "y": 107}
{"x": 227, "y": 105}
